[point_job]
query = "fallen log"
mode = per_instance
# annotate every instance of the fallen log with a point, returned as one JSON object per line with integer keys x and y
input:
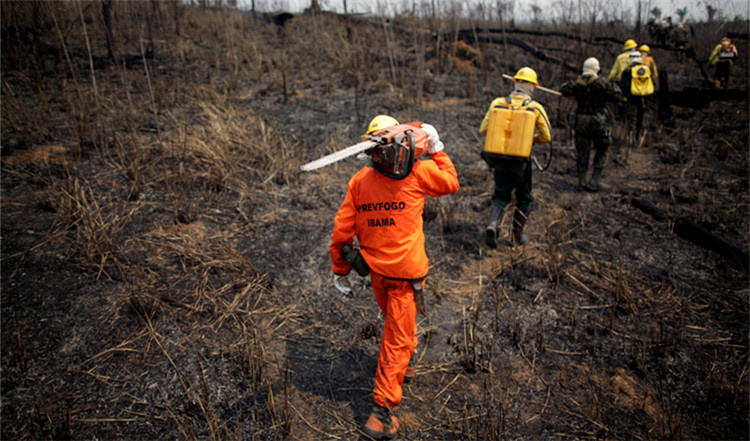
{"x": 666, "y": 116}
{"x": 737, "y": 35}
{"x": 690, "y": 97}
{"x": 698, "y": 235}
{"x": 696, "y": 98}
{"x": 594, "y": 40}
{"x": 470, "y": 36}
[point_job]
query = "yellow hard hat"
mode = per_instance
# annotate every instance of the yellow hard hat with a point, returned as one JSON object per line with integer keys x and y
{"x": 629, "y": 44}
{"x": 645, "y": 48}
{"x": 526, "y": 74}
{"x": 381, "y": 122}
{"x": 726, "y": 40}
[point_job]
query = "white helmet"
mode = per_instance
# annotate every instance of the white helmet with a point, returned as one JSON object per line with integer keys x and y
{"x": 635, "y": 58}
{"x": 591, "y": 66}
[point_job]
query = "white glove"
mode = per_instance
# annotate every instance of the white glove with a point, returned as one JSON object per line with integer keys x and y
{"x": 342, "y": 283}
{"x": 434, "y": 144}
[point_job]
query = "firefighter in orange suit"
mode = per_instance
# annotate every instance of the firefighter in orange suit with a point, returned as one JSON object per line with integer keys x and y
{"x": 383, "y": 208}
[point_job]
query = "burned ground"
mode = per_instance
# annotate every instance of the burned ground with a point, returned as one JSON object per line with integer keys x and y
{"x": 165, "y": 269}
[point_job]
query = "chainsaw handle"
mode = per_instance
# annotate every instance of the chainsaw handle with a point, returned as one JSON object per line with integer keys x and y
{"x": 387, "y": 135}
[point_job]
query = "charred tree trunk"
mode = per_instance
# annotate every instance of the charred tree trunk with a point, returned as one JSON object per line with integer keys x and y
{"x": 638, "y": 19}
{"x": 107, "y": 14}
{"x": 177, "y": 12}
{"x": 698, "y": 235}
{"x": 690, "y": 52}
{"x": 666, "y": 116}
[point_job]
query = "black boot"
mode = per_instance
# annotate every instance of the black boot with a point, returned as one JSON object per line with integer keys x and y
{"x": 595, "y": 183}
{"x": 490, "y": 234}
{"x": 581, "y": 182}
{"x": 519, "y": 222}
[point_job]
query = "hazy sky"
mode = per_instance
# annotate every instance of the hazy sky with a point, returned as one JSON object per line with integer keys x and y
{"x": 696, "y": 8}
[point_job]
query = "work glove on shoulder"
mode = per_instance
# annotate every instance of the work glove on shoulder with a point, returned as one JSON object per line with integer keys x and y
{"x": 342, "y": 283}
{"x": 434, "y": 144}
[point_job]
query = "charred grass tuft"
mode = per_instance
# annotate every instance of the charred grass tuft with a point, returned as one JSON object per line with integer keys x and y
{"x": 178, "y": 172}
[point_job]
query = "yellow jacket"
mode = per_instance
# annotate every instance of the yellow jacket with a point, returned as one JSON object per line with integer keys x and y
{"x": 714, "y": 58}
{"x": 648, "y": 60}
{"x": 543, "y": 132}
{"x": 618, "y": 67}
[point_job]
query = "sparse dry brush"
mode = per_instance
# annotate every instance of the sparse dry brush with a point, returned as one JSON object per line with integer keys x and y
{"x": 166, "y": 273}
{"x": 189, "y": 304}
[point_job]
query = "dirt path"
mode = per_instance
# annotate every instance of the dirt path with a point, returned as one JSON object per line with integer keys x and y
{"x": 528, "y": 317}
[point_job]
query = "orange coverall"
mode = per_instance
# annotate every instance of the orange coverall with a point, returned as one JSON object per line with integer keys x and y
{"x": 386, "y": 216}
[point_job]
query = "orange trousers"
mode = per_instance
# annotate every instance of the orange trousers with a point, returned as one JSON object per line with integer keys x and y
{"x": 396, "y": 301}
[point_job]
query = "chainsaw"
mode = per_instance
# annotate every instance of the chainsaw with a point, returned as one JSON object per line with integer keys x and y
{"x": 401, "y": 135}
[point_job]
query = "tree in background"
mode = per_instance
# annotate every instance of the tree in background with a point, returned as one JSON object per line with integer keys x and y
{"x": 106, "y": 13}
{"x": 505, "y": 11}
{"x": 711, "y": 11}
{"x": 536, "y": 12}
{"x": 682, "y": 13}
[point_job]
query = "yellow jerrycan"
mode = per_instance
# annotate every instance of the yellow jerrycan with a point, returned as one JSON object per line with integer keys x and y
{"x": 510, "y": 131}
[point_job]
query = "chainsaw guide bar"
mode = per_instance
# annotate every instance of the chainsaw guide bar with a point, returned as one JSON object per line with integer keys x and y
{"x": 338, "y": 156}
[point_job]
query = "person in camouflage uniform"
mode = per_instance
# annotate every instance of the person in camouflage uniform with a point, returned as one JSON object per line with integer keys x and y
{"x": 679, "y": 39}
{"x": 592, "y": 93}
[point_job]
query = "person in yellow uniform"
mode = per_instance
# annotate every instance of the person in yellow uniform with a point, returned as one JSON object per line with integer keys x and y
{"x": 637, "y": 86}
{"x": 513, "y": 173}
{"x": 722, "y": 57}
{"x": 649, "y": 61}
{"x": 622, "y": 61}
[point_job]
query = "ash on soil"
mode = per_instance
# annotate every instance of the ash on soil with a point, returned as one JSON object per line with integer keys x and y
{"x": 208, "y": 311}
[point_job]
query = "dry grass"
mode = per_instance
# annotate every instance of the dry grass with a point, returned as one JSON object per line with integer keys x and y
{"x": 160, "y": 178}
